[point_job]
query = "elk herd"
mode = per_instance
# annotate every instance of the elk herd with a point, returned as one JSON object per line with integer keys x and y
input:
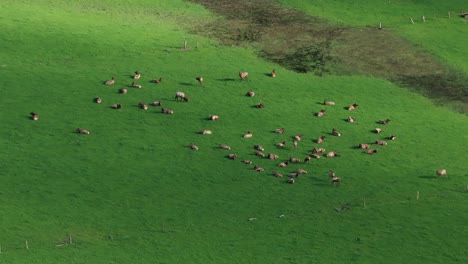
{"x": 316, "y": 152}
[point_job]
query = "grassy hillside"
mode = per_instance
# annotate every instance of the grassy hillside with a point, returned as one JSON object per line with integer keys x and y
{"x": 133, "y": 192}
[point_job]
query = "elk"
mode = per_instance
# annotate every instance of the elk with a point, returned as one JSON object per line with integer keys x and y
{"x": 135, "y": 85}
{"x": 378, "y": 130}
{"x": 325, "y": 102}
{"x": 321, "y": 113}
{"x": 441, "y": 173}
{"x": 381, "y": 143}
{"x": 82, "y": 131}
{"x": 259, "y": 153}
{"x": 371, "y": 151}
{"x": 351, "y": 119}
{"x": 143, "y": 106}
{"x": 318, "y": 150}
{"x": 247, "y": 162}
{"x": 272, "y": 156}
{"x": 273, "y": 73}
{"x": 301, "y": 171}
{"x": 259, "y": 148}
{"x": 331, "y": 174}
{"x": 181, "y": 96}
{"x": 384, "y": 122}
{"x": 110, "y": 82}
{"x": 295, "y": 144}
{"x": 248, "y": 135}
{"x": 352, "y": 107}
{"x": 332, "y": 154}
{"x": 250, "y": 94}
{"x": 320, "y": 140}
{"x": 34, "y": 116}
{"x": 315, "y": 156}
{"x": 200, "y": 80}
{"x": 298, "y": 137}
{"x": 277, "y": 174}
{"x": 243, "y": 75}
{"x": 307, "y": 159}
{"x": 122, "y": 90}
{"x": 336, "y": 180}
{"x": 98, "y": 100}
{"x": 293, "y": 175}
{"x": 232, "y": 156}
{"x": 156, "y": 103}
{"x": 363, "y": 146}
{"x": 260, "y": 105}
{"x": 206, "y": 132}
{"x": 116, "y": 106}
{"x": 157, "y": 80}
{"x": 258, "y": 169}
{"x": 167, "y": 111}
{"x": 213, "y": 117}
{"x": 294, "y": 160}
{"x": 392, "y": 137}
{"x": 336, "y": 133}
{"x": 193, "y": 147}
{"x": 137, "y": 75}
{"x": 291, "y": 181}
{"x": 226, "y": 147}
{"x": 281, "y": 144}
{"x": 279, "y": 130}
{"x": 283, "y": 164}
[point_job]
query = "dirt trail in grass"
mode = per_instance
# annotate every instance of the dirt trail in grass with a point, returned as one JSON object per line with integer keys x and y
{"x": 307, "y": 44}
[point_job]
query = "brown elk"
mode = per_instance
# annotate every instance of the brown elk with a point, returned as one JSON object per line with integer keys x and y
{"x": 258, "y": 169}
{"x": 259, "y": 148}
{"x": 181, "y": 96}
{"x": 295, "y": 144}
{"x": 281, "y": 144}
{"x": 384, "y": 122}
{"x": 250, "y": 93}
{"x": 331, "y": 174}
{"x": 122, "y": 90}
{"x": 34, "y": 116}
{"x": 137, "y": 75}
{"x": 336, "y": 133}
{"x": 277, "y": 174}
{"x": 325, "y": 102}
{"x": 336, "y": 180}
{"x": 273, "y": 73}
{"x": 82, "y": 131}
{"x": 213, "y": 117}
{"x": 351, "y": 119}
{"x": 206, "y": 132}
{"x": 116, "y": 106}
{"x": 291, "y": 181}
{"x": 259, "y": 153}
{"x": 248, "y": 135}
{"x": 293, "y": 175}
{"x": 193, "y": 147}
{"x": 371, "y": 151}
{"x": 307, "y": 159}
{"x": 380, "y": 143}
{"x": 320, "y": 140}
{"x": 110, "y": 82}
{"x": 318, "y": 150}
{"x": 273, "y": 156}
{"x": 301, "y": 171}
{"x": 363, "y": 146}
{"x": 378, "y": 130}
{"x": 98, "y": 100}
{"x": 332, "y": 154}
{"x": 392, "y": 137}
{"x": 441, "y": 173}
{"x": 294, "y": 160}
{"x": 232, "y": 156}
{"x": 321, "y": 113}
{"x": 243, "y": 75}
{"x": 247, "y": 161}
{"x": 260, "y": 105}
{"x": 157, "y": 80}
{"x": 352, "y": 107}
{"x": 143, "y": 106}
{"x": 156, "y": 103}
{"x": 167, "y": 111}
{"x": 298, "y": 137}
{"x": 279, "y": 130}
{"x": 135, "y": 85}
{"x": 226, "y": 147}
{"x": 283, "y": 164}
{"x": 315, "y": 156}
{"x": 200, "y": 80}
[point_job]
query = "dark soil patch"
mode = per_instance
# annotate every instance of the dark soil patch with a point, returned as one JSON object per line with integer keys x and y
{"x": 307, "y": 44}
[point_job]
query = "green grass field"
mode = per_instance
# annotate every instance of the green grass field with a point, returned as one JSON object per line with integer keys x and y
{"x": 134, "y": 192}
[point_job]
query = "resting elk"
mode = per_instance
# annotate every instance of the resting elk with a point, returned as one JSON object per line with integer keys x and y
{"x": 82, "y": 131}
{"x": 34, "y": 116}
{"x": 110, "y": 82}
{"x": 336, "y": 133}
{"x": 325, "y": 102}
{"x": 135, "y": 85}
{"x": 321, "y": 113}
{"x": 243, "y": 75}
{"x": 137, "y": 75}
{"x": 352, "y": 107}
{"x": 441, "y": 173}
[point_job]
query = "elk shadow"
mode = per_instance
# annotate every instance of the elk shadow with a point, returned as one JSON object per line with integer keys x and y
{"x": 186, "y": 84}
{"x": 226, "y": 79}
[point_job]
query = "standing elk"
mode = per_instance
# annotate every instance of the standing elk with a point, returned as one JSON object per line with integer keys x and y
{"x": 441, "y": 173}
{"x": 315, "y": 156}
{"x": 110, "y": 82}
{"x": 307, "y": 159}
{"x": 273, "y": 73}
{"x": 294, "y": 160}
{"x": 318, "y": 150}
{"x": 331, "y": 174}
{"x": 298, "y": 137}
{"x": 281, "y": 144}
{"x": 137, "y": 75}
{"x": 34, "y": 116}
{"x": 259, "y": 148}
{"x": 181, "y": 96}
{"x": 259, "y": 153}
{"x": 243, "y": 75}
{"x": 380, "y": 143}
{"x": 273, "y": 156}
{"x": 247, "y": 161}
{"x": 156, "y": 103}
{"x": 258, "y": 169}
{"x": 301, "y": 171}
{"x": 295, "y": 144}
{"x": 352, "y": 107}
{"x": 200, "y": 80}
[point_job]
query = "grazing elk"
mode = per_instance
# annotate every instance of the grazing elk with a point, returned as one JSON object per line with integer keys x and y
{"x": 156, "y": 103}
{"x": 123, "y": 91}
{"x": 82, "y": 131}
{"x": 181, "y": 96}
{"x": 332, "y": 154}
{"x": 321, "y": 113}
{"x": 351, "y": 119}
{"x": 441, "y": 173}
{"x": 363, "y": 146}
{"x": 213, "y": 117}
{"x": 277, "y": 174}
{"x": 352, "y": 107}
{"x": 167, "y": 111}
{"x": 378, "y": 130}
{"x": 279, "y": 130}
{"x": 392, "y": 137}
{"x": 116, "y": 106}
{"x": 137, "y": 75}
{"x": 336, "y": 133}
{"x": 281, "y": 144}
{"x": 135, "y": 85}
{"x": 110, "y": 82}
{"x": 384, "y": 122}
{"x": 143, "y": 106}
{"x": 34, "y": 116}
{"x": 273, "y": 156}
{"x": 193, "y": 147}
{"x": 250, "y": 94}
{"x": 243, "y": 75}
{"x": 200, "y": 80}
{"x": 371, "y": 151}
{"x": 273, "y": 73}
{"x": 325, "y": 102}
{"x": 232, "y": 156}
{"x": 380, "y": 143}
{"x": 157, "y": 80}
{"x": 320, "y": 140}
{"x": 247, "y": 161}
{"x": 259, "y": 148}
{"x": 98, "y": 100}
{"x": 248, "y": 135}
{"x": 226, "y": 147}
{"x": 206, "y": 132}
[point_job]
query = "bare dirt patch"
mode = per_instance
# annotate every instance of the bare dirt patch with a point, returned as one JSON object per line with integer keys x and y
{"x": 311, "y": 45}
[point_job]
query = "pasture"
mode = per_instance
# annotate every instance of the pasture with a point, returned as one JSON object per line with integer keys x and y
{"x": 132, "y": 191}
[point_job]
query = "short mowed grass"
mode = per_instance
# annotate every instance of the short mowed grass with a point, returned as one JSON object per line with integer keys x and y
{"x": 133, "y": 192}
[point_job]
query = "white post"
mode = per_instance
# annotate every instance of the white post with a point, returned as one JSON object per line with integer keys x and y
{"x": 70, "y": 239}
{"x": 365, "y": 203}
{"x": 449, "y": 14}
{"x": 185, "y": 43}
{"x": 424, "y": 19}
{"x": 412, "y": 21}
{"x": 27, "y": 245}
{"x": 417, "y": 195}
{"x": 380, "y": 25}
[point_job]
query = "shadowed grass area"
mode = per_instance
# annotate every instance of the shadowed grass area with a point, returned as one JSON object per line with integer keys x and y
{"x": 307, "y": 44}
